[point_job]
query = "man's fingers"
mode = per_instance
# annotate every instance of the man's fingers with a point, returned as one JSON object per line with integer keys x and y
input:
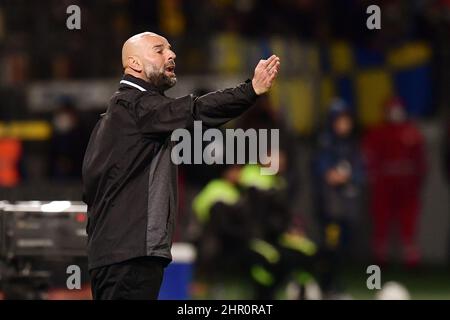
{"x": 272, "y": 77}
{"x": 270, "y": 74}
{"x": 274, "y": 73}
{"x": 268, "y": 61}
{"x": 274, "y": 66}
{"x": 268, "y": 64}
{"x": 272, "y": 62}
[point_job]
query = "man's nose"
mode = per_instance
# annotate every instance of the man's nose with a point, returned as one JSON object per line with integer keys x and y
{"x": 172, "y": 55}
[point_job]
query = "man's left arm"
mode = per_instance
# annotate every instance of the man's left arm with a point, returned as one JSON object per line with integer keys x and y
{"x": 219, "y": 107}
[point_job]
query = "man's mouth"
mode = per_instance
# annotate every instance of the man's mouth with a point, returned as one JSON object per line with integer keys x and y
{"x": 171, "y": 69}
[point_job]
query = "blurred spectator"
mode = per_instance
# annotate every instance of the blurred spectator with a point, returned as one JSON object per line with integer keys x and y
{"x": 339, "y": 176}
{"x": 68, "y": 143}
{"x": 396, "y": 164}
{"x": 226, "y": 227}
{"x": 280, "y": 251}
{"x": 10, "y": 155}
{"x": 447, "y": 151}
{"x": 246, "y": 218}
{"x": 447, "y": 163}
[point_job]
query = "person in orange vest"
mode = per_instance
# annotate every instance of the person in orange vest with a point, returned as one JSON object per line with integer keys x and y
{"x": 396, "y": 165}
{"x": 10, "y": 154}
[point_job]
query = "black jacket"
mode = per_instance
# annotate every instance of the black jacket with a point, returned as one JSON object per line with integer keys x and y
{"x": 129, "y": 180}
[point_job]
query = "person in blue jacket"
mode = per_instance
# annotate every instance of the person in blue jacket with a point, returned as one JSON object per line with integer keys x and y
{"x": 339, "y": 177}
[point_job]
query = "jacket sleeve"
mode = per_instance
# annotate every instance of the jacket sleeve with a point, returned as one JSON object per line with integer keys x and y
{"x": 157, "y": 114}
{"x": 216, "y": 108}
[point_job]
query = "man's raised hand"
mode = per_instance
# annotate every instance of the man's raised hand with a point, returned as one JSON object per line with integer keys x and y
{"x": 265, "y": 73}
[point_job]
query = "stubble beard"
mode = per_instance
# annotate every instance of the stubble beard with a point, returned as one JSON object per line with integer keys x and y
{"x": 159, "y": 78}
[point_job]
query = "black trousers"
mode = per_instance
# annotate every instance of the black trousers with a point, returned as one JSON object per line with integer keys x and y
{"x": 135, "y": 279}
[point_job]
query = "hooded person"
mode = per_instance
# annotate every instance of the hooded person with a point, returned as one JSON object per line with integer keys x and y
{"x": 338, "y": 180}
{"x": 338, "y": 166}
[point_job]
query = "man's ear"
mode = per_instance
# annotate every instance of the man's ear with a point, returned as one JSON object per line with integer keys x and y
{"x": 135, "y": 63}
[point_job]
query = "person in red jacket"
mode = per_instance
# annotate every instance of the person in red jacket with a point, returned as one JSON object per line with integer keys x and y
{"x": 396, "y": 166}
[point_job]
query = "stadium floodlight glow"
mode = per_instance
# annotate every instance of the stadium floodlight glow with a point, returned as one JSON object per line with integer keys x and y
{"x": 55, "y": 206}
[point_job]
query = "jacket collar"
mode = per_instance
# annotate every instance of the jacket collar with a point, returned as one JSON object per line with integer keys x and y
{"x": 139, "y": 84}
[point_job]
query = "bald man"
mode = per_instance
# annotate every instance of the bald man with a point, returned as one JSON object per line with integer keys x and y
{"x": 129, "y": 180}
